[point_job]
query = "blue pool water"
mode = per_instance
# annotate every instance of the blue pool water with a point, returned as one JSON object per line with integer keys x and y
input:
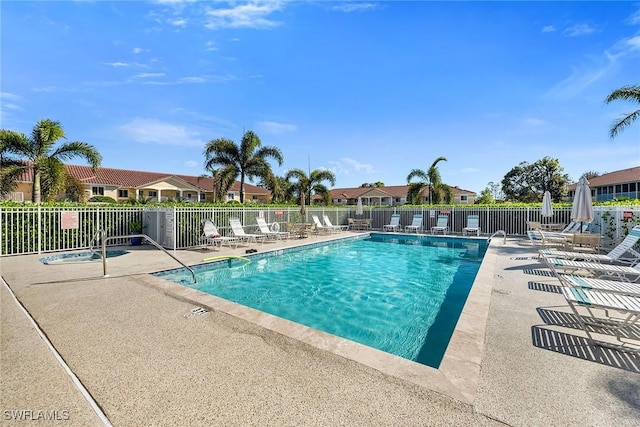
{"x": 399, "y": 294}
{"x": 81, "y": 257}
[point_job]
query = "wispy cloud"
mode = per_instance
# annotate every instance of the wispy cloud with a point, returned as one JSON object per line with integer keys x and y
{"x": 548, "y": 29}
{"x": 349, "y": 166}
{"x": 137, "y": 50}
{"x": 178, "y": 22}
{"x": 191, "y": 164}
{"x": 153, "y": 131}
{"x": 251, "y": 15}
{"x": 356, "y": 7}
{"x": 117, "y": 64}
{"x": 148, "y": 75}
{"x": 578, "y": 30}
{"x": 634, "y": 19}
{"x": 533, "y": 122}
{"x": 276, "y": 128}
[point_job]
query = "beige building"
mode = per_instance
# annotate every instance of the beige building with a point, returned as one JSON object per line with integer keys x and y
{"x": 613, "y": 185}
{"x": 123, "y": 184}
{"x": 391, "y": 196}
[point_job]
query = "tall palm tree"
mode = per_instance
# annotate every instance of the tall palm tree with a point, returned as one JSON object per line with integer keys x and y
{"x": 46, "y": 159}
{"x": 223, "y": 179}
{"x": 312, "y": 183}
{"x": 249, "y": 160}
{"x": 10, "y": 168}
{"x": 626, "y": 93}
{"x": 431, "y": 179}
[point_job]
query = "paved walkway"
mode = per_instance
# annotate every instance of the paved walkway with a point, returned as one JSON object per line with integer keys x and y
{"x": 145, "y": 363}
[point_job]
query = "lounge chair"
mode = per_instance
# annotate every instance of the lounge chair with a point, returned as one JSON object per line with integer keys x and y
{"x": 320, "y": 227}
{"x": 210, "y": 235}
{"x": 238, "y": 231}
{"x": 546, "y": 239}
{"x": 416, "y": 224}
{"x": 394, "y": 224}
{"x": 598, "y": 269}
{"x": 534, "y": 225}
{"x": 271, "y": 233}
{"x": 329, "y": 225}
{"x": 473, "y": 225}
{"x": 615, "y": 255}
{"x": 442, "y": 225}
{"x": 628, "y": 306}
{"x": 613, "y": 286}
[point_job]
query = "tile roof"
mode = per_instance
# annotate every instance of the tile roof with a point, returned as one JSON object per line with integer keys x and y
{"x": 391, "y": 191}
{"x": 612, "y": 178}
{"x": 138, "y": 179}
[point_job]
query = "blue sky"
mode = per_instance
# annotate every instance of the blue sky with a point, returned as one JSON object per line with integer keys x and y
{"x": 369, "y": 90}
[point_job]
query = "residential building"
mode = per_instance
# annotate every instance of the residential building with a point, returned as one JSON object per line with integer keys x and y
{"x": 612, "y": 185}
{"x": 123, "y": 184}
{"x": 390, "y": 196}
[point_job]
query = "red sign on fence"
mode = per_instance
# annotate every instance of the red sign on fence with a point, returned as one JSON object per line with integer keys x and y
{"x": 69, "y": 220}
{"x": 278, "y": 212}
{"x": 627, "y": 215}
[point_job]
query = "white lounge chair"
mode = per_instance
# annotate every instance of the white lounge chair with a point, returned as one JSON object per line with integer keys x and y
{"x": 473, "y": 225}
{"x": 442, "y": 225}
{"x": 328, "y": 223}
{"x": 545, "y": 239}
{"x": 269, "y": 232}
{"x": 320, "y": 227}
{"x": 394, "y": 224}
{"x": 416, "y": 224}
{"x": 613, "y": 286}
{"x": 628, "y": 306}
{"x": 615, "y": 255}
{"x": 238, "y": 231}
{"x": 598, "y": 269}
{"x": 210, "y": 235}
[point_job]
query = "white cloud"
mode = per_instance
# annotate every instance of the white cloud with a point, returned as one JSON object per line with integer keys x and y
{"x": 153, "y": 131}
{"x": 534, "y": 122}
{"x": 578, "y": 30}
{"x": 178, "y": 22}
{"x": 11, "y": 96}
{"x": 634, "y": 19}
{"x": 211, "y": 46}
{"x": 548, "y": 29}
{"x": 348, "y": 166}
{"x": 148, "y": 75}
{"x": 191, "y": 164}
{"x": 355, "y": 7}
{"x": 46, "y": 89}
{"x": 117, "y": 64}
{"x": 250, "y": 15}
{"x": 137, "y": 50}
{"x": 192, "y": 80}
{"x": 276, "y": 128}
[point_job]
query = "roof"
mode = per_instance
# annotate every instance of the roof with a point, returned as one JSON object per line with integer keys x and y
{"x": 139, "y": 179}
{"x": 390, "y": 191}
{"x": 611, "y": 178}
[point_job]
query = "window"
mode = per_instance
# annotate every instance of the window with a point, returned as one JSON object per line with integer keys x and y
{"x": 189, "y": 196}
{"x": 123, "y": 193}
{"x": 632, "y": 186}
{"x": 153, "y": 193}
{"x": 97, "y": 191}
{"x": 463, "y": 198}
{"x": 618, "y": 189}
{"x": 625, "y": 188}
{"x": 203, "y": 197}
{"x": 230, "y": 196}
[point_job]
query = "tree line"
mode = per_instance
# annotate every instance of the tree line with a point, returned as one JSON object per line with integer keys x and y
{"x": 226, "y": 162}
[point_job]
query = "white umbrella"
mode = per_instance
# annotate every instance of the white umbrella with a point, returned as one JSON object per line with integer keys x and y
{"x": 547, "y": 209}
{"x": 582, "y": 209}
{"x": 359, "y": 210}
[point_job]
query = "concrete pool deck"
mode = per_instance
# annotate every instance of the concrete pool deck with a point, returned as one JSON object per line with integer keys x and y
{"x": 132, "y": 343}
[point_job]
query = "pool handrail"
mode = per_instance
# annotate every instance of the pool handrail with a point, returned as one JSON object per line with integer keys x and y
{"x": 221, "y": 257}
{"x": 504, "y": 234}
{"x": 145, "y": 237}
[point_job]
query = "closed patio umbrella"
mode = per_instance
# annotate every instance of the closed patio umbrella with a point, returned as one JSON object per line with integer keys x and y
{"x": 582, "y": 209}
{"x": 359, "y": 210}
{"x": 547, "y": 209}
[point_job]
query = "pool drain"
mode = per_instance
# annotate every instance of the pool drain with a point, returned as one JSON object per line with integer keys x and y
{"x": 195, "y": 311}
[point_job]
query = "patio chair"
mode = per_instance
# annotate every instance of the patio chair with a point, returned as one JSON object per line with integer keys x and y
{"x": 320, "y": 227}
{"x": 394, "y": 224}
{"x": 628, "y": 306}
{"x": 210, "y": 236}
{"x": 442, "y": 225}
{"x": 329, "y": 225}
{"x": 534, "y": 225}
{"x": 615, "y": 255}
{"x": 271, "y": 232}
{"x": 613, "y": 286}
{"x": 238, "y": 231}
{"x": 416, "y": 224}
{"x": 600, "y": 270}
{"x": 473, "y": 225}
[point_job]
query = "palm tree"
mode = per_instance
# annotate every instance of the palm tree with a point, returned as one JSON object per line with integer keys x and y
{"x": 223, "y": 179}
{"x": 431, "y": 179}
{"x": 249, "y": 160}
{"x": 312, "y": 183}
{"x": 627, "y": 93}
{"x": 47, "y": 161}
{"x": 10, "y": 168}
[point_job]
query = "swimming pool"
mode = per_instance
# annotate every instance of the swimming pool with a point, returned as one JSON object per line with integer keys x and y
{"x": 399, "y": 294}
